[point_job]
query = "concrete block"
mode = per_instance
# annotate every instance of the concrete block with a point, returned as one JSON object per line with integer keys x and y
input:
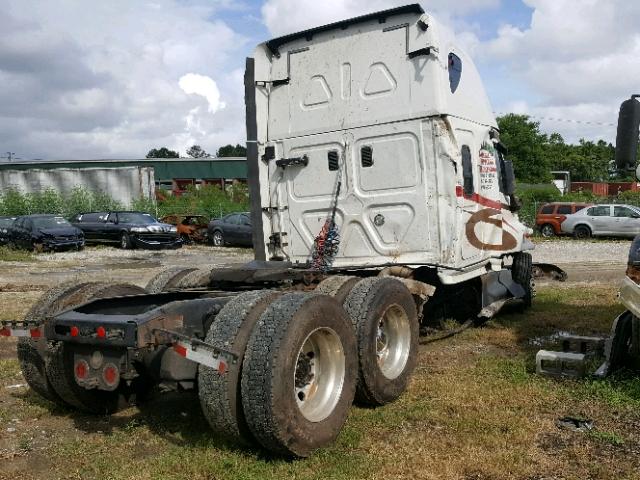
{"x": 581, "y": 344}
{"x": 560, "y": 364}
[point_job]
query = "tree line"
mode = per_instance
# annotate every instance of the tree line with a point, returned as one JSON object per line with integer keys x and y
{"x": 196, "y": 151}
{"x": 535, "y": 154}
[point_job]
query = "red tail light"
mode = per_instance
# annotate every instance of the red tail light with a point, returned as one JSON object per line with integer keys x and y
{"x": 101, "y": 332}
{"x": 110, "y": 374}
{"x": 74, "y": 331}
{"x": 81, "y": 369}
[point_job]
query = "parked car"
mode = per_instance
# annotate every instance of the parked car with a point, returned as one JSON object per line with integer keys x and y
{"x": 551, "y": 215}
{"x": 613, "y": 220}
{"x": 127, "y": 229}
{"x": 233, "y": 229}
{"x": 191, "y": 228}
{"x": 5, "y": 223}
{"x": 44, "y": 233}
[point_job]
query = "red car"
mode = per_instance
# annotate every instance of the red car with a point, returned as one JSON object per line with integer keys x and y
{"x": 551, "y": 215}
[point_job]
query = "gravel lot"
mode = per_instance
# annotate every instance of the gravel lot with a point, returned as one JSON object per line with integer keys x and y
{"x": 595, "y": 261}
{"x": 585, "y": 261}
{"x": 107, "y": 263}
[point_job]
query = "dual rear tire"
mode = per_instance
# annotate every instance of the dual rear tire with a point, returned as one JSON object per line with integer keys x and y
{"x": 303, "y": 356}
{"x": 295, "y": 378}
{"x": 48, "y": 368}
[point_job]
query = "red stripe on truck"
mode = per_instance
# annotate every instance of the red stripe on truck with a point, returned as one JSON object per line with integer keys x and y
{"x": 479, "y": 199}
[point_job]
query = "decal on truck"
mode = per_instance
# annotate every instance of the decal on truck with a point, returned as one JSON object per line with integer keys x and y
{"x": 486, "y": 215}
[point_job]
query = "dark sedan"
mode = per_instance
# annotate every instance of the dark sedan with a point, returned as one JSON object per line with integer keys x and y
{"x": 5, "y": 224}
{"x": 44, "y": 233}
{"x": 233, "y": 229}
{"x": 127, "y": 229}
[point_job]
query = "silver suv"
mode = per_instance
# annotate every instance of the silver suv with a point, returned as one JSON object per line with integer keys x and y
{"x": 614, "y": 220}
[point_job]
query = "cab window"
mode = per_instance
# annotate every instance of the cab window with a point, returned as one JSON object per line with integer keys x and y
{"x": 455, "y": 71}
{"x": 467, "y": 170}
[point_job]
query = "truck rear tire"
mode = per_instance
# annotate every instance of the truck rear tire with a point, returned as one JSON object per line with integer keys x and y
{"x": 33, "y": 370}
{"x": 337, "y": 286}
{"x": 220, "y": 395}
{"x": 299, "y": 374}
{"x": 59, "y": 359}
{"x": 385, "y": 319}
{"x": 194, "y": 279}
{"x": 167, "y": 279}
{"x": 31, "y": 352}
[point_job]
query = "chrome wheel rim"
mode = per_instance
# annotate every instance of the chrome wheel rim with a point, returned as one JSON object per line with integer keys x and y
{"x": 123, "y": 241}
{"x": 547, "y": 231}
{"x": 319, "y": 374}
{"x": 393, "y": 341}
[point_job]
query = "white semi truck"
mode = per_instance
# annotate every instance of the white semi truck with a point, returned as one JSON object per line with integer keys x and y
{"x": 381, "y": 199}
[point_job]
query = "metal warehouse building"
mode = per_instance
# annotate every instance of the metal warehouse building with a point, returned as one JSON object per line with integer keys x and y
{"x": 123, "y": 179}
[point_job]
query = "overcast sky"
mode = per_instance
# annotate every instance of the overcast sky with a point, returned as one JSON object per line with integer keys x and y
{"x": 113, "y": 79}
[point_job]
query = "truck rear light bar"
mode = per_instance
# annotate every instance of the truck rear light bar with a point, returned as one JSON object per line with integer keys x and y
{"x": 20, "y": 329}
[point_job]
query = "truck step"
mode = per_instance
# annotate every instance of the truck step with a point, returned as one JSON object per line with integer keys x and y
{"x": 560, "y": 364}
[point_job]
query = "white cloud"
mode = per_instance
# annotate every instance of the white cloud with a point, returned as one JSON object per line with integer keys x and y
{"x": 578, "y": 58}
{"x": 194, "y": 84}
{"x": 287, "y": 16}
{"x": 104, "y": 80}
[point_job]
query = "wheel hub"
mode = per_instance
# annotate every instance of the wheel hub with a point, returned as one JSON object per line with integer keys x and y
{"x": 393, "y": 341}
{"x": 319, "y": 374}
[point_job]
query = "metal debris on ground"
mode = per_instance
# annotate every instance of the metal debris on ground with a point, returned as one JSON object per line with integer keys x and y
{"x": 574, "y": 424}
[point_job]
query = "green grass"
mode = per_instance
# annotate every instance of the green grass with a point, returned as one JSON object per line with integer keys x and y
{"x": 14, "y": 255}
{"x": 475, "y": 409}
{"x": 607, "y": 437}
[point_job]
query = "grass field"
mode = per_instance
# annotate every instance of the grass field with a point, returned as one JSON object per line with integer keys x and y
{"x": 474, "y": 410}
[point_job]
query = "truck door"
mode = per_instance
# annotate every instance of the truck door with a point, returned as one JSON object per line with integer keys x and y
{"x": 481, "y": 199}
{"x": 303, "y": 194}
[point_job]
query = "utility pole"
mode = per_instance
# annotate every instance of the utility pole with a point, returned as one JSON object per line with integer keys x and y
{"x": 11, "y": 156}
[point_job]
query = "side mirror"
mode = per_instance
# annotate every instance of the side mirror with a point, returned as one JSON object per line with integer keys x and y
{"x": 509, "y": 178}
{"x": 627, "y": 134}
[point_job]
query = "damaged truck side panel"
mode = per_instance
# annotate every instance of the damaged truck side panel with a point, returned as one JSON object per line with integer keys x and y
{"x": 422, "y": 178}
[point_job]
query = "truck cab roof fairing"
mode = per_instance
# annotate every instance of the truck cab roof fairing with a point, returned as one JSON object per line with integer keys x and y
{"x": 275, "y": 44}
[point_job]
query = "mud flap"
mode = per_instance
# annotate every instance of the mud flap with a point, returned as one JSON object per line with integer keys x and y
{"x": 498, "y": 289}
{"x": 622, "y": 348}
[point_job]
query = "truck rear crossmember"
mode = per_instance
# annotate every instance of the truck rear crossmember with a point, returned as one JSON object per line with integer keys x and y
{"x": 20, "y": 329}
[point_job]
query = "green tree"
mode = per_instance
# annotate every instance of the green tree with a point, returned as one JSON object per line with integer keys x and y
{"x": 163, "y": 152}
{"x": 526, "y": 147}
{"x": 197, "y": 151}
{"x": 231, "y": 151}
